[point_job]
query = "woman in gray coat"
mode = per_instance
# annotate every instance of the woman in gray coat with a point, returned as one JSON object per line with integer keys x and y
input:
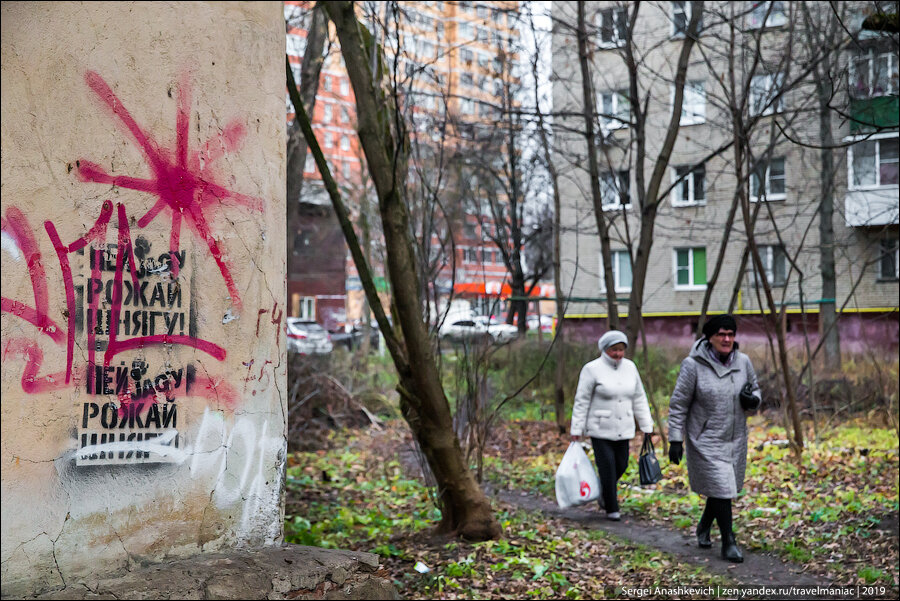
{"x": 716, "y": 388}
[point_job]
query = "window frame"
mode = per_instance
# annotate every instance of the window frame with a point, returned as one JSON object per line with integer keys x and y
{"x": 772, "y": 87}
{"x": 760, "y": 10}
{"x": 768, "y": 196}
{"x": 618, "y": 118}
{"x": 695, "y": 118}
{"x": 851, "y": 173}
{"x": 622, "y": 176}
{"x": 616, "y": 256}
{"x": 885, "y": 255}
{"x": 768, "y": 259}
{"x": 690, "y": 181}
{"x": 619, "y": 25}
{"x": 690, "y": 267}
{"x": 686, "y": 11}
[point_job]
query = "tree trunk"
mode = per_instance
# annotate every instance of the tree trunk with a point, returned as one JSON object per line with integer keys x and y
{"x": 466, "y": 511}
{"x": 594, "y": 169}
{"x": 296, "y": 145}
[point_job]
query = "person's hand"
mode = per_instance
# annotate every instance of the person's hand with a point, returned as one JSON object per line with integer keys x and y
{"x": 676, "y": 452}
{"x": 576, "y": 438}
{"x": 749, "y": 401}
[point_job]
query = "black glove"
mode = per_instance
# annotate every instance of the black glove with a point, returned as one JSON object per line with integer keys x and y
{"x": 749, "y": 401}
{"x": 676, "y": 452}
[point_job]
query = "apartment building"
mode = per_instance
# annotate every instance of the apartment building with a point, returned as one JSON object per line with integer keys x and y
{"x": 783, "y": 168}
{"x": 453, "y": 72}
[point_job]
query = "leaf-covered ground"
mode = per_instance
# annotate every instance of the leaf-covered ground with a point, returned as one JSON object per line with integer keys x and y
{"x": 835, "y": 513}
{"x": 356, "y": 496}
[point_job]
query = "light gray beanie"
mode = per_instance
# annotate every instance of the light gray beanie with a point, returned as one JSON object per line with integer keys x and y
{"x": 610, "y": 338}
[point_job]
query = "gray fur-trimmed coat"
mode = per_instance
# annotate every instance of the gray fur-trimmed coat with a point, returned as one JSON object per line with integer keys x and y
{"x": 705, "y": 412}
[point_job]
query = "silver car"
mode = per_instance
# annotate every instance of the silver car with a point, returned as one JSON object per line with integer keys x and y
{"x": 307, "y": 337}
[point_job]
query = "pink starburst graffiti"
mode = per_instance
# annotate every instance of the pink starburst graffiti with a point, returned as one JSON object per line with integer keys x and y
{"x": 181, "y": 178}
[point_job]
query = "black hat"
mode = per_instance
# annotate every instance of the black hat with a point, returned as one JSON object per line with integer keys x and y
{"x": 719, "y": 322}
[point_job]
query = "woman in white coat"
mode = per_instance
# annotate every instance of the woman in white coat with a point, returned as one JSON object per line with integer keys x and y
{"x": 610, "y": 396}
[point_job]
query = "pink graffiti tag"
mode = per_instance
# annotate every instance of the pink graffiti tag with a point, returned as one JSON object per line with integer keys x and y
{"x": 180, "y": 179}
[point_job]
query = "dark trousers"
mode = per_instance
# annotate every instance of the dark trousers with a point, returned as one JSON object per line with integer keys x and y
{"x": 612, "y": 459}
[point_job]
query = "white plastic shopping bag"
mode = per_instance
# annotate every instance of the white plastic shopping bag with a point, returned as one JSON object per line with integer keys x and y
{"x": 576, "y": 480}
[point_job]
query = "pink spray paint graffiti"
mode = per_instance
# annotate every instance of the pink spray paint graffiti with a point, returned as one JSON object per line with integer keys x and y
{"x": 183, "y": 184}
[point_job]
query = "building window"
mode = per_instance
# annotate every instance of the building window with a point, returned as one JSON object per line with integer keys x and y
{"x": 691, "y": 190}
{"x": 346, "y": 169}
{"x": 467, "y": 106}
{"x": 889, "y": 259}
{"x": 466, "y": 55}
{"x": 296, "y": 46}
{"x": 470, "y": 255}
{"x": 766, "y": 14}
{"x": 773, "y": 174}
{"x": 345, "y": 143}
{"x": 615, "y": 109}
{"x": 613, "y": 27}
{"x": 303, "y": 307}
{"x": 681, "y": 16}
{"x": 765, "y": 94}
{"x": 774, "y": 262}
{"x": 310, "y": 165}
{"x": 873, "y": 74}
{"x": 690, "y": 268}
{"x": 345, "y": 86}
{"x": 693, "y": 106}
{"x": 614, "y": 190}
{"x": 465, "y": 79}
{"x": 326, "y": 83}
{"x": 329, "y": 140}
{"x": 873, "y": 163}
{"x": 345, "y": 115}
{"x": 621, "y": 268}
{"x": 328, "y": 113}
{"x": 465, "y": 31}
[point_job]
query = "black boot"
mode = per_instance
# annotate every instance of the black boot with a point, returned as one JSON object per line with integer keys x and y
{"x": 703, "y": 540}
{"x": 730, "y": 550}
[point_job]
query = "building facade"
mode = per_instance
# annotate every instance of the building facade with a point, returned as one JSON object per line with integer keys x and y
{"x": 774, "y": 53}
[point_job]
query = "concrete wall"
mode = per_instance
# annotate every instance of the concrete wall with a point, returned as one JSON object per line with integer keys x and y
{"x": 143, "y": 187}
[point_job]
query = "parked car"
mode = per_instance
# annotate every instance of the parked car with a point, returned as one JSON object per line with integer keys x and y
{"x": 307, "y": 337}
{"x": 463, "y": 328}
{"x": 500, "y": 332}
{"x": 353, "y": 339}
{"x": 545, "y": 321}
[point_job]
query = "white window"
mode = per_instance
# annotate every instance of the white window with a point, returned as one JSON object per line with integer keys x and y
{"x": 345, "y": 115}
{"x": 470, "y": 255}
{"x": 691, "y": 190}
{"x": 765, "y": 94}
{"x": 305, "y": 307}
{"x": 465, "y": 79}
{"x": 295, "y": 70}
{"x": 615, "y": 109}
{"x": 614, "y": 190}
{"x": 345, "y": 86}
{"x": 766, "y": 14}
{"x": 681, "y": 16}
{"x": 693, "y": 105}
{"x": 326, "y": 83}
{"x": 329, "y": 140}
{"x": 345, "y": 169}
{"x": 328, "y": 113}
{"x": 873, "y": 163}
{"x": 464, "y": 30}
{"x": 690, "y": 268}
{"x": 774, "y": 262}
{"x": 466, "y": 55}
{"x": 621, "y": 268}
{"x": 345, "y": 143}
{"x": 888, "y": 261}
{"x": 873, "y": 74}
{"x": 467, "y": 106}
{"x": 775, "y": 178}
{"x": 310, "y": 165}
{"x": 613, "y": 26}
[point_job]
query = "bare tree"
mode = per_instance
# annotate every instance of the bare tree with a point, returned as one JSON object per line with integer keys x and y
{"x": 466, "y": 511}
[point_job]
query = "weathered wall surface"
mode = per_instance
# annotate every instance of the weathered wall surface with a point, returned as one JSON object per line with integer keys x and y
{"x": 143, "y": 405}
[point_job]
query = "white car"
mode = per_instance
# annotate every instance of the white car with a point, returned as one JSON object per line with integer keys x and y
{"x": 500, "y": 332}
{"x": 463, "y": 328}
{"x": 307, "y": 337}
{"x": 545, "y": 321}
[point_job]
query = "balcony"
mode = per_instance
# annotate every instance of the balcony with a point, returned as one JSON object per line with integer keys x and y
{"x": 874, "y": 207}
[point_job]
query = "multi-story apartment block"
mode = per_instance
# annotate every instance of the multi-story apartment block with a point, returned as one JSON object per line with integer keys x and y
{"x": 453, "y": 73}
{"x": 773, "y": 52}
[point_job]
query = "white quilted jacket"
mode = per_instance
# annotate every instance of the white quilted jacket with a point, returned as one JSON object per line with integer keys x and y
{"x": 609, "y": 399}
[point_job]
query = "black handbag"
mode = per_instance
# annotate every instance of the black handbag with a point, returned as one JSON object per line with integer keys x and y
{"x": 648, "y": 465}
